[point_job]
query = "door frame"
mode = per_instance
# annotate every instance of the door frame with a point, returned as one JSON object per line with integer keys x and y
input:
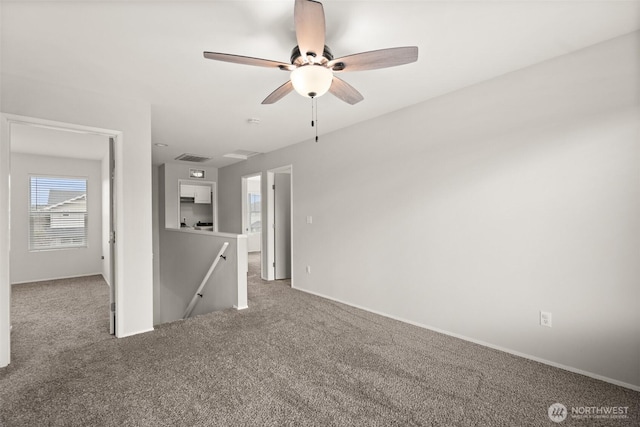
{"x": 111, "y": 170}
{"x": 6, "y": 120}
{"x": 268, "y": 243}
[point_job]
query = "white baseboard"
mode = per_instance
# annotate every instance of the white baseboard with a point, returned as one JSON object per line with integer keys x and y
{"x": 241, "y": 307}
{"x": 105, "y": 279}
{"x": 57, "y": 278}
{"x": 130, "y": 334}
{"x": 483, "y": 343}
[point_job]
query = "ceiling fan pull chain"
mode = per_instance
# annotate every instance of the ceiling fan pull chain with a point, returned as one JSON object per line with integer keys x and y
{"x": 314, "y": 102}
{"x": 312, "y": 117}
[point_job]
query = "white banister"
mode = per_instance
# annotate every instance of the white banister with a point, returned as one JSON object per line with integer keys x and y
{"x": 198, "y": 293}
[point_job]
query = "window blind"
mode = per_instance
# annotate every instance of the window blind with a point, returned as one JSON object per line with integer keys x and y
{"x": 57, "y": 212}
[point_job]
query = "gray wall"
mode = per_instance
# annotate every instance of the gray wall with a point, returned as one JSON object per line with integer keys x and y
{"x": 165, "y": 208}
{"x": 29, "y": 266}
{"x": 471, "y": 212}
{"x": 184, "y": 256}
{"x": 131, "y": 121}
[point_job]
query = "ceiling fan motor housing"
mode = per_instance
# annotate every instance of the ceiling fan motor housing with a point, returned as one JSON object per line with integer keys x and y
{"x": 297, "y": 59}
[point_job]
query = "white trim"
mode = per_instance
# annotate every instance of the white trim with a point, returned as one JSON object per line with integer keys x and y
{"x": 61, "y": 278}
{"x": 242, "y": 268}
{"x": 483, "y": 343}
{"x": 5, "y": 241}
{"x": 55, "y": 125}
{"x": 268, "y": 242}
{"x": 5, "y": 150}
{"x": 243, "y": 307}
{"x": 267, "y": 257}
{"x": 291, "y": 221}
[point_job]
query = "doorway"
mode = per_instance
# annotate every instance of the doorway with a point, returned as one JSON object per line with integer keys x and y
{"x": 252, "y": 211}
{"x": 104, "y": 154}
{"x": 279, "y": 241}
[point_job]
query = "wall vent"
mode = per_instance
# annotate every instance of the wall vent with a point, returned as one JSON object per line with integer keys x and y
{"x": 241, "y": 154}
{"x": 186, "y": 157}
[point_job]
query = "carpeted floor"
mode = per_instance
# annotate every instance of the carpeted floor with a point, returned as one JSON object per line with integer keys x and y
{"x": 291, "y": 359}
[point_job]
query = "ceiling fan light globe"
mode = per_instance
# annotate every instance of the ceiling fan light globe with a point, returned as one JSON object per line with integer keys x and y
{"x": 311, "y": 80}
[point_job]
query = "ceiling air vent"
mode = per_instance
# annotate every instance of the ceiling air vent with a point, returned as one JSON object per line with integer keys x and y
{"x": 241, "y": 154}
{"x": 186, "y": 157}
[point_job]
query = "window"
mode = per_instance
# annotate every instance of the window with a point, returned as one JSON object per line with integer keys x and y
{"x": 255, "y": 216}
{"x": 57, "y": 213}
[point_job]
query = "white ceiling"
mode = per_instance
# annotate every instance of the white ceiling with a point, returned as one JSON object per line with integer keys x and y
{"x": 152, "y": 50}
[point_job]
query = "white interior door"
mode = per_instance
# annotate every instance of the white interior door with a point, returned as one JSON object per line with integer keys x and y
{"x": 282, "y": 225}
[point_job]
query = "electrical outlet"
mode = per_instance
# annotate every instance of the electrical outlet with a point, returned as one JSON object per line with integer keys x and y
{"x": 545, "y": 318}
{"x": 309, "y": 219}
{"x": 308, "y": 269}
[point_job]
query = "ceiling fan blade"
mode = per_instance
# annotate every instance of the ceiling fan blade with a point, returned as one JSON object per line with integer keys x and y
{"x": 310, "y": 27}
{"x": 279, "y": 93}
{"x": 345, "y": 91}
{"x": 247, "y": 60}
{"x": 375, "y": 59}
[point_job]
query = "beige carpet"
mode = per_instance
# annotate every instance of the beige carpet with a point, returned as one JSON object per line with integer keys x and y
{"x": 291, "y": 359}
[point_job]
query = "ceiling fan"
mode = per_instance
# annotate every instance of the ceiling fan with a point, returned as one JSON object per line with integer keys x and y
{"x": 312, "y": 64}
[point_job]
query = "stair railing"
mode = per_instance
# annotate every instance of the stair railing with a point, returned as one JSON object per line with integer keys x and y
{"x": 198, "y": 293}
